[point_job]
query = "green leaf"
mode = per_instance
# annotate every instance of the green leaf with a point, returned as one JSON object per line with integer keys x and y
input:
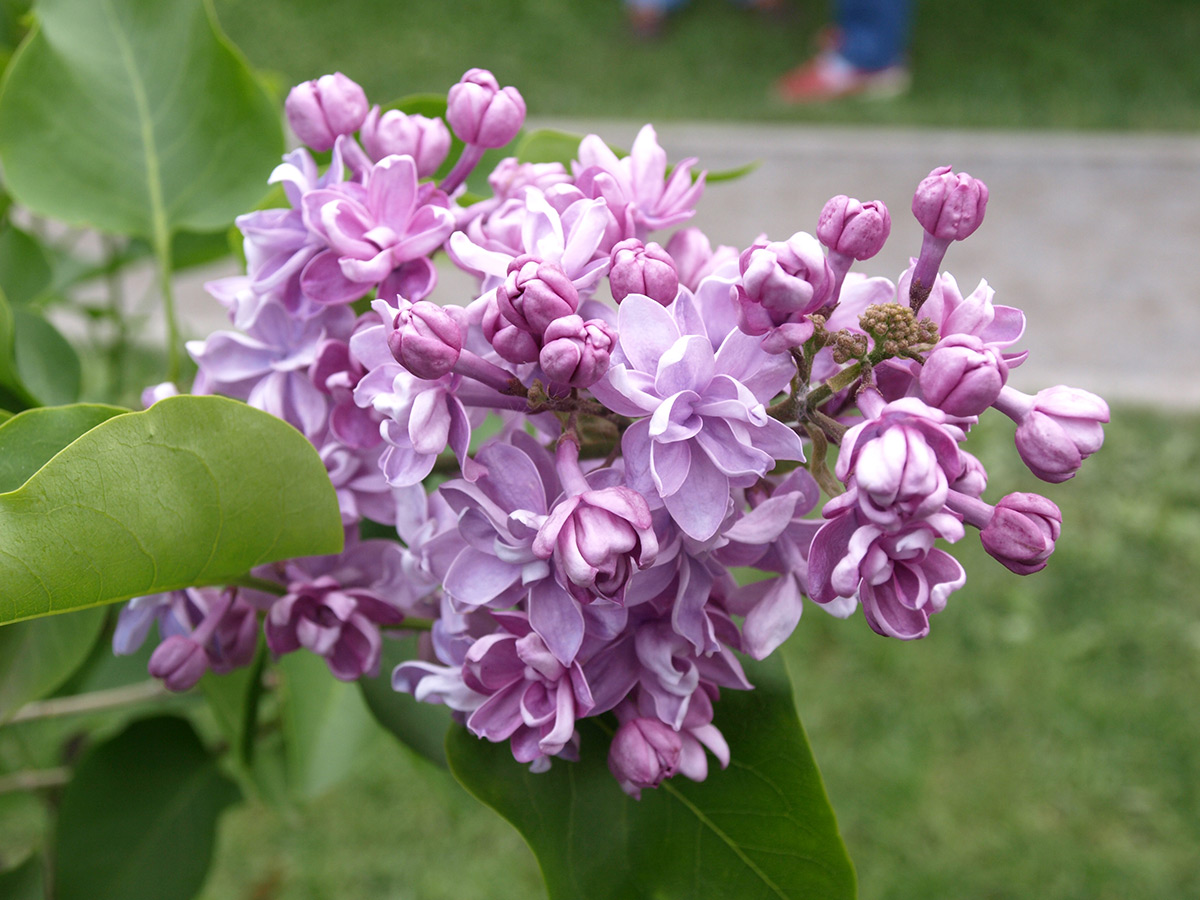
{"x": 25, "y": 882}
{"x": 136, "y": 117}
{"x": 233, "y": 699}
{"x": 763, "y": 828}
{"x": 13, "y": 393}
{"x": 325, "y": 722}
{"x": 36, "y": 657}
{"x": 193, "y": 491}
{"x": 138, "y": 820}
{"x": 30, "y": 439}
{"x": 732, "y": 174}
{"x": 419, "y": 726}
{"x": 545, "y": 145}
{"x": 24, "y": 266}
{"x": 47, "y": 365}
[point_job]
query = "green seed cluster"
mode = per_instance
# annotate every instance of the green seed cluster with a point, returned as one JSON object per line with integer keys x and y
{"x": 896, "y": 329}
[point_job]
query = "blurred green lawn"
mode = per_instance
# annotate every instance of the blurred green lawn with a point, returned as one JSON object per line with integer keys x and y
{"x": 984, "y": 63}
{"x": 1043, "y": 742}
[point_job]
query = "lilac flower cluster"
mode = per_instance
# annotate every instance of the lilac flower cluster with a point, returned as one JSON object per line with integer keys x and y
{"x": 660, "y": 417}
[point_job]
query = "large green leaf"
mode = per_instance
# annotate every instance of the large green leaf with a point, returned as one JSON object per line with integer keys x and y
{"x": 136, "y": 117}
{"x": 25, "y": 882}
{"x": 46, "y": 363}
{"x": 325, "y": 724}
{"x": 195, "y": 490}
{"x": 763, "y": 828}
{"x": 30, "y": 439}
{"x": 36, "y": 657}
{"x": 420, "y": 726}
{"x": 24, "y": 265}
{"x": 14, "y": 395}
{"x": 138, "y": 820}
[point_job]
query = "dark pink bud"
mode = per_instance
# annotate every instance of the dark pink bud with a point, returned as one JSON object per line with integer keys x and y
{"x": 179, "y": 661}
{"x": 427, "y": 141}
{"x": 950, "y": 206}
{"x": 483, "y": 114}
{"x": 643, "y": 752}
{"x": 963, "y": 376}
{"x": 427, "y": 340}
{"x": 853, "y": 228}
{"x": 535, "y": 293}
{"x": 516, "y": 345}
{"x": 639, "y": 268}
{"x": 320, "y": 110}
{"x": 576, "y": 352}
{"x": 1022, "y": 532}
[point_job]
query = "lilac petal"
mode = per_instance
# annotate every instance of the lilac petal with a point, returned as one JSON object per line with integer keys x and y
{"x": 459, "y": 439}
{"x": 765, "y": 522}
{"x": 675, "y": 420}
{"x": 370, "y": 348}
{"x": 586, "y": 233}
{"x": 890, "y": 618}
{"x": 626, "y": 391}
{"x": 472, "y": 256}
{"x": 773, "y": 619}
{"x": 687, "y": 365}
{"x": 392, "y": 191}
{"x": 429, "y": 422}
{"x": 636, "y": 449}
{"x": 414, "y": 281}
{"x": 402, "y": 466}
{"x": 557, "y": 619}
{"x": 427, "y": 231}
{"x": 730, "y": 455}
{"x": 542, "y": 231}
{"x": 513, "y": 481}
{"x": 827, "y": 551}
{"x": 500, "y": 715}
{"x": 689, "y": 618}
{"x": 564, "y": 720}
{"x": 702, "y": 501}
{"x": 368, "y": 270}
{"x": 476, "y": 578}
{"x": 669, "y": 465}
{"x": 323, "y": 281}
{"x": 646, "y": 330}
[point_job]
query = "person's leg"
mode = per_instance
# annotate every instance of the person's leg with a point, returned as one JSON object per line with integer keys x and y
{"x": 874, "y": 33}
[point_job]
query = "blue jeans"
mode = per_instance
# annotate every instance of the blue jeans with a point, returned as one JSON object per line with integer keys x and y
{"x": 874, "y": 32}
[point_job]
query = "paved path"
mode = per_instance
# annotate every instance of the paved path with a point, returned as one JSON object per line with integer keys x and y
{"x": 1097, "y": 237}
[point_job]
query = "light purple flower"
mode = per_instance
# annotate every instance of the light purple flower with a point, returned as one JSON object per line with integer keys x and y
{"x": 321, "y": 110}
{"x": 575, "y": 352}
{"x": 695, "y": 258}
{"x": 782, "y": 283}
{"x": 483, "y": 114}
{"x": 643, "y": 753}
{"x": 962, "y": 375}
{"x": 899, "y": 577}
{"x": 1022, "y": 531}
{"x": 702, "y": 426}
{"x": 903, "y": 459}
{"x": 395, "y": 133}
{"x": 636, "y": 187}
{"x": 533, "y": 700}
{"x": 639, "y": 268}
{"x": 852, "y": 228}
{"x": 1056, "y": 430}
{"x": 373, "y": 230}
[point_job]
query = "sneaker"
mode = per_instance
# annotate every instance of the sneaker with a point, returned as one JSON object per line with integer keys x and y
{"x": 830, "y": 76}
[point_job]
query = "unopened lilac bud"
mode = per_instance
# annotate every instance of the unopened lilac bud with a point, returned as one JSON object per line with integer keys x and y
{"x": 639, "y": 268}
{"x": 974, "y": 478}
{"x": 483, "y": 114}
{"x": 426, "y": 140}
{"x": 643, "y": 753}
{"x": 1022, "y": 532}
{"x": 576, "y": 352}
{"x": 853, "y": 228}
{"x": 321, "y": 110}
{"x": 427, "y": 340}
{"x": 1060, "y": 430}
{"x": 535, "y": 293}
{"x": 963, "y": 376}
{"x": 179, "y": 661}
{"x": 950, "y": 206}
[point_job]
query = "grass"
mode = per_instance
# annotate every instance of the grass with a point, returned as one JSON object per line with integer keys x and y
{"x": 1044, "y": 741}
{"x": 1096, "y": 64}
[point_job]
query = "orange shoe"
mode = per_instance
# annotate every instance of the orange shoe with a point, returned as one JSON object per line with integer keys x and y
{"x": 829, "y": 76}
